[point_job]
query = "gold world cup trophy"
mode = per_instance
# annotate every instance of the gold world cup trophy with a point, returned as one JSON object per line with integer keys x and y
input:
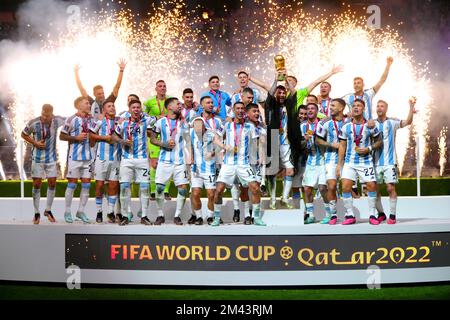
{"x": 280, "y": 64}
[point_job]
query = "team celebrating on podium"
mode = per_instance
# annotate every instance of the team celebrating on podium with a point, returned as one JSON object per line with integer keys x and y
{"x": 246, "y": 141}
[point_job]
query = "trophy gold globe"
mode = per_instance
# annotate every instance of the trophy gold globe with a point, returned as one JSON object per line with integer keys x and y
{"x": 280, "y": 64}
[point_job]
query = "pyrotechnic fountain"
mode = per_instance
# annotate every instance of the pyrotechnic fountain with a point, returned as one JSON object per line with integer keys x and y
{"x": 172, "y": 44}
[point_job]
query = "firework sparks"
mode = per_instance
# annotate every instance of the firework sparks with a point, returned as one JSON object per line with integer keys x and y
{"x": 185, "y": 47}
{"x": 442, "y": 144}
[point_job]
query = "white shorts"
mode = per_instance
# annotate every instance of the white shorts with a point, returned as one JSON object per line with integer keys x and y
{"x": 387, "y": 174}
{"x": 198, "y": 180}
{"x": 165, "y": 171}
{"x": 244, "y": 173}
{"x": 257, "y": 169}
{"x": 105, "y": 170}
{"x": 79, "y": 169}
{"x": 285, "y": 157}
{"x": 314, "y": 176}
{"x": 43, "y": 170}
{"x": 136, "y": 170}
{"x": 297, "y": 179}
{"x": 330, "y": 171}
{"x": 366, "y": 173}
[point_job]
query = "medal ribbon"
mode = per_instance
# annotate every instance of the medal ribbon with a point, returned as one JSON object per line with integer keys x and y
{"x": 219, "y": 99}
{"x": 237, "y": 138}
{"x": 357, "y": 137}
{"x": 45, "y": 132}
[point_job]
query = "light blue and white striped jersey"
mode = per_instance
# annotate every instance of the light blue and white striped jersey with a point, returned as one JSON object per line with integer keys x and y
{"x": 386, "y": 154}
{"x": 172, "y": 129}
{"x": 349, "y": 134}
{"x": 257, "y": 98}
{"x": 188, "y": 114}
{"x": 240, "y": 136}
{"x": 192, "y": 114}
{"x": 325, "y": 107}
{"x": 220, "y": 99}
{"x": 315, "y": 157}
{"x": 283, "y": 123}
{"x": 329, "y": 130}
{"x": 212, "y": 123}
{"x": 367, "y": 97}
{"x": 47, "y": 132}
{"x": 138, "y": 132}
{"x": 255, "y": 155}
{"x": 75, "y": 125}
{"x": 127, "y": 115}
{"x": 201, "y": 147}
{"x": 105, "y": 150}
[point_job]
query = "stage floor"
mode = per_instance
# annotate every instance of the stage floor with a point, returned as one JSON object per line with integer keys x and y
{"x": 362, "y": 226}
{"x": 283, "y": 253}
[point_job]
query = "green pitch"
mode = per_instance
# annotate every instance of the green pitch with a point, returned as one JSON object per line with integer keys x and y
{"x": 21, "y": 291}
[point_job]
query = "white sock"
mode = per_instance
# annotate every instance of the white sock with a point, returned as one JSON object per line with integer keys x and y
{"x": 50, "y": 197}
{"x": 378, "y": 205}
{"x": 99, "y": 203}
{"x": 198, "y": 213}
{"x": 310, "y": 209}
{"x": 118, "y": 207}
{"x": 140, "y": 202}
{"x": 372, "y": 199}
{"x": 257, "y": 210}
{"x": 217, "y": 209}
{"x": 128, "y": 207}
{"x": 69, "y": 195}
{"x": 84, "y": 196}
{"x": 144, "y": 198}
{"x": 181, "y": 199}
{"x": 112, "y": 201}
{"x": 246, "y": 208}
{"x": 348, "y": 203}
{"x": 235, "y": 195}
{"x": 125, "y": 196}
{"x": 332, "y": 205}
{"x": 210, "y": 213}
{"x": 273, "y": 189}
{"x": 287, "y": 187}
{"x": 327, "y": 209}
{"x": 393, "y": 205}
{"x": 36, "y": 199}
{"x": 160, "y": 200}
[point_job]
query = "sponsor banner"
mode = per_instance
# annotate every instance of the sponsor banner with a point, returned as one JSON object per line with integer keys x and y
{"x": 257, "y": 253}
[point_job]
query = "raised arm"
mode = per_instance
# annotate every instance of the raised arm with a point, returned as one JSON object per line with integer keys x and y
{"x": 78, "y": 80}
{"x": 258, "y": 83}
{"x": 385, "y": 74}
{"x": 409, "y": 119}
{"x": 122, "y": 64}
{"x": 315, "y": 83}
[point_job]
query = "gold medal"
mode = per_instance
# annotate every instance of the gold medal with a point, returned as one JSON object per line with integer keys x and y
{"x": 309, "y": 132}
{"x": 236, "y": 149}
{"x": 281, "y": 130}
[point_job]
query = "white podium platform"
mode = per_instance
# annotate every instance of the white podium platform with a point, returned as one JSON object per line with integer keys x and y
{"x": 284, "y": 253}
{"x": 437, "y": 207}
